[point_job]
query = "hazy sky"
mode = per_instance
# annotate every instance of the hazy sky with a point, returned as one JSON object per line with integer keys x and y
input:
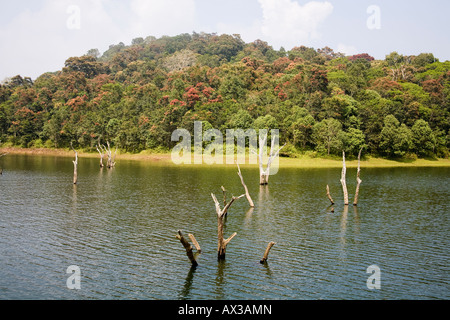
{"x": 37, "y": 36}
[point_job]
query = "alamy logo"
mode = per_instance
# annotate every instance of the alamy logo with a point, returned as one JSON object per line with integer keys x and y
{"x": 374, "y": 20}
{"x": 374, "y": 281}
{"x": 74, "y": 20}
{"x": 240, "y": 145}
{"x": 74, "y": 280}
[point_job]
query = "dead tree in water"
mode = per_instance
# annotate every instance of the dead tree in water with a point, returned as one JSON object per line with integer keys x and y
{"x": 329, "y": 195}
{"x": 247, "y": 194}
{"x": 195, "y": 242}
{"x": 75, "y": 166}
{"x": 224, "y": 196}
{"x": 222, "y": 243}
{"x": 111, "y": 159}
{"x": 266, "y": 253}
{"x": 1, "y": 169}
{"x": 264, "y": 174}
{"x": 343, "y": 182}
{"x": 358, "y": 180}
{"x": 188, "y": 248}
{"x": 102, "y": 155}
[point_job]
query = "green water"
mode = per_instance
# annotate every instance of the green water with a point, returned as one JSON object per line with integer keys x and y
{"x": 118, "y": 226}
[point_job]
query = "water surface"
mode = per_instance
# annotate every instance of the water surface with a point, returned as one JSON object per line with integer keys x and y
{"x": 119, "y": 227}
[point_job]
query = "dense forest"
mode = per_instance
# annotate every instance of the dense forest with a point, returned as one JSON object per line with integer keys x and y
{"x": 322, "y": 101}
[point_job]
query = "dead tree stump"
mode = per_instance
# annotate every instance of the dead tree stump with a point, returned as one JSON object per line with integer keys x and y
{"x": 111, "y": 159}
{"x": 75, "y": 166}
{"x": 266, "y": 253}
{"x": 329, "y": 195}
{"x": 264, "y": 174}
{"x": 222, "y": 243}
{"x": 188, "y": 248}
{"x": 358, "y": 179}
{"x": 343, "y": 182}
{"x": 195, "y": 242}
{"x": 102, "y": 155}
{"x": 1, "y": 169}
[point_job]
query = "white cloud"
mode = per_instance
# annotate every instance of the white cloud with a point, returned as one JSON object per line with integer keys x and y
{"x": 37, "y": 41}
{"x": 287, "y": 23}
{"x": 170, "y": 17}
{"x": 347, "y": 49}
{"x": 248, "y": 32}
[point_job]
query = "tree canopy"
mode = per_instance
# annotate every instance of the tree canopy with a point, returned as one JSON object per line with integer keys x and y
{"x": 135, "y": 96}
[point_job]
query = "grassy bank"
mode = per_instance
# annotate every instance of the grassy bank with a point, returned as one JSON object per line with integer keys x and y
{"x": 302, "y": 161}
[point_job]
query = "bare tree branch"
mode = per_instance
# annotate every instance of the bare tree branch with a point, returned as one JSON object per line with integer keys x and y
{"x": 266, "y": 253}
{"x": 75, "y": 165}
{"x": 221, "y": 243}
{"x": 343, "y": 182}
{"x": 247, "y": 194}
{"x": 264, "y": 174}
{"x": 188, "y": 248}
{"x": 329, "y": 195}
{"x": 195, "y": 242}
{"x": 101, "y": 155}
{"x": 358, "y": 180}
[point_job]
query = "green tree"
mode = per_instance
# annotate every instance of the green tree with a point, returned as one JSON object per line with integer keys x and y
{"x": 403, "y": 143}
{"x": 352, "y": 141}
{"x": 232, "y": 87}
{"x": 396, "y": 139}
{"x": 423, "y": 59}
{"x": 422, "y": 138}
{"x": 241, "y": 120}
{"x": 326, "y": 136}
{"x": 303, "y": 130}
{"x": 389, "y": 135}
{"x": 85, "y": 64}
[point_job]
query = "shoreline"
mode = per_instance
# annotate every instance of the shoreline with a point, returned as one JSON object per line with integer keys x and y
{"x": 300, "y": 162}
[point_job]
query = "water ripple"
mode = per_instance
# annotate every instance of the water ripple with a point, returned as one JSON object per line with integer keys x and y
{"x": 119, "y": 227}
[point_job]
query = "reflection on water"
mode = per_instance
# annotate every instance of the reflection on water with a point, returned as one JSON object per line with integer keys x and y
{"x": 118, "y": 226}
{"x": 185, "y": 292}
{"x": 343, "y": 232}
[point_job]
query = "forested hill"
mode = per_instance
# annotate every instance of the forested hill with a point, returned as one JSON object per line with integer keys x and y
{"x": 324, "y": 102}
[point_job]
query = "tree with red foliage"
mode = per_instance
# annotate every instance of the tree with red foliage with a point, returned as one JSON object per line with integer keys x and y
{"x": 191, "y": 96}
{"x": 361, "y": 56}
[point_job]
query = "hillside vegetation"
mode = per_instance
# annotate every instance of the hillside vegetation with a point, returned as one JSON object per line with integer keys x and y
{"x": 321, "y": 101}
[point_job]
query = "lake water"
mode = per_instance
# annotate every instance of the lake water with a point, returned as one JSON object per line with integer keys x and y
{"x": 118, "y": 226}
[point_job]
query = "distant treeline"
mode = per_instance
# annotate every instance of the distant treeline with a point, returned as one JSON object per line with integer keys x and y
{"x": 321, "y": 101}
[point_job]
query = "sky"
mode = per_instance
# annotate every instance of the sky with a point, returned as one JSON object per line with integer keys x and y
{"x": 37, "y": 36}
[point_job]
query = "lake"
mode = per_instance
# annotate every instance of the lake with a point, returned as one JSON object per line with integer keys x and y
{"x": 119, "y": 225}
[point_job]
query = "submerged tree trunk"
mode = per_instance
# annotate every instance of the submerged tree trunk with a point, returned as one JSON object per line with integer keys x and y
{"x": 188, "y": 248}
{"x": 101, "y": 155}
{"x": 247, "y": 194}
{"x": 75, "y": 166}
{"x": 1, "y": 169}
{"x": 266, "y": 253}
{"x": 329, "y": 195}
{"x": 264, "y": 174}
{"x": 195, "y": 242}
{"x": 358, "y": 180}
{"x": 222, "y": 243}
{"x": 224, "y": 196}
{"x": 111, "y": 159}
{"x": 343, "y": 182}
